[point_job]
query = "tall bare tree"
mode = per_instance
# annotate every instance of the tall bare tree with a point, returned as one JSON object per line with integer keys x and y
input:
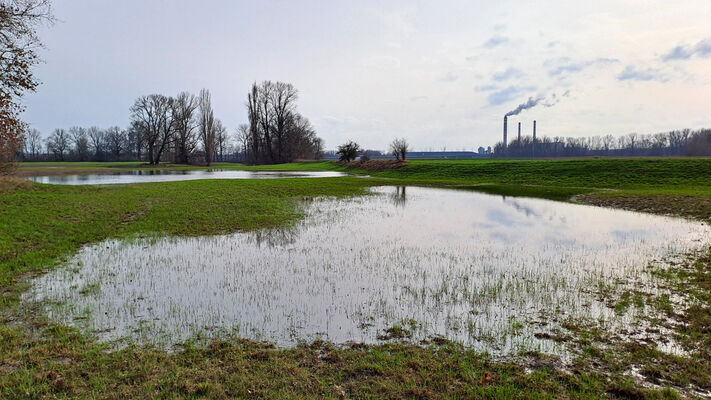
{"x": 152, "y": 116}
{"x": 207, "y": 125}
{"x": 97, "y": 141}
{"x": 33, "y": 143}
{"x": 221, "y": 140}
{"x": 81, "y": 143}
{"x": 282, "y": 97}
{"x": 184, "y": 117}
{"x": 116, "y": 141}
{"x": 58, "y": 143}
{"x": 19, "y": 42}
{"x": 399, "y": 148}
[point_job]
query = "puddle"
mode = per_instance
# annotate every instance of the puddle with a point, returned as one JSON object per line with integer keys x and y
{"x": 169, "y": 176}
{"x": 488, "y": 271}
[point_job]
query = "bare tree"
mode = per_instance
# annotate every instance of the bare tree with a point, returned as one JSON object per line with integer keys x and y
{"x": 19, "y": 42}
{"x": 282, "y": 97}
{"x": 265, "y": 116}
{"x": 221, "y": 139}
{"x": 97, "y": 141}
{"x": 184, "y": 115}
{"x": 151, "y": 116}
{"x": 243, "y": 136}
{"x": 58, "y": 143}
{"x": 399, "y": 148}
{"x": 207, "y": 125}
{"x": 116, "y": 141}
{"x": 81, "y": 143}
{"x": 33, "y": 142}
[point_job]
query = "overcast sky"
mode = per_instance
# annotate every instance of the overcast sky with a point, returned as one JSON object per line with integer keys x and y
{"x": 439, "y": 73}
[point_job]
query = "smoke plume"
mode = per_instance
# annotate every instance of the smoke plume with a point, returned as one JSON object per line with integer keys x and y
{"x": 552, "y": 100}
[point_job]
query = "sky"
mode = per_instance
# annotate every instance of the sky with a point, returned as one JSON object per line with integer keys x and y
{"x": 441, "y": 74}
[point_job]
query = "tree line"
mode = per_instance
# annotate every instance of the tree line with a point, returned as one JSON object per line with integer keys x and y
{"x": 183, "y": 129}
{"x": 683, "y": 142}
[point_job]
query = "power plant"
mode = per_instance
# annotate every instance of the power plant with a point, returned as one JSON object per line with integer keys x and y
{"x": 506, "y": 123}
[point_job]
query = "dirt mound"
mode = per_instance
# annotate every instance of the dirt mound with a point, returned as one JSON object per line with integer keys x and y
{"x": 375, "y": 165}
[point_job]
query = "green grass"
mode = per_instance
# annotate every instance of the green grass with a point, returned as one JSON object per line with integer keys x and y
{"x": 42, "y": 224}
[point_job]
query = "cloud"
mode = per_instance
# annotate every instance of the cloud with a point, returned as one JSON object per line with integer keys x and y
{"x": 565, "y": 66}
{"x": 507, "y": 94}
{"x": 509, "y": 73}
{"x": 496, "y": 40}
{"x": 486, "y": 88}
{"x": 449, "y": 77}
{"x": 701, "y": 49}
{"x": 632, "y": 73}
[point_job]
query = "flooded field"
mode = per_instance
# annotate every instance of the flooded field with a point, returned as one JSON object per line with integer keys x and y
{"x": 141, "y": 176}
{"x": 495, "y": 273}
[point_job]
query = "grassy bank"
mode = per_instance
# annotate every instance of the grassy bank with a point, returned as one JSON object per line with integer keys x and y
{"x": 41, "y": 224}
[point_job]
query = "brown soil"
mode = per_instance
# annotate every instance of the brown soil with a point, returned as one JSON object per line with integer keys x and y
{"x": 375, "y": 165}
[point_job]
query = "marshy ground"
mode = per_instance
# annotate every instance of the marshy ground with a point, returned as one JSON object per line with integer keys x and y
{"x": 662, "y": 354}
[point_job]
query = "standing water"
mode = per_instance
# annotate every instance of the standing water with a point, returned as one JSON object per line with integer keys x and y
{"x": 143, "y": 176}
{"x": 488, "y": 271}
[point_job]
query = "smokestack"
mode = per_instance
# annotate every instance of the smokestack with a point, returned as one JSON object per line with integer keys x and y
{"x": 506, "y": 120}
{"x": 519, "y": 132}
{"x": 533, "y": 148}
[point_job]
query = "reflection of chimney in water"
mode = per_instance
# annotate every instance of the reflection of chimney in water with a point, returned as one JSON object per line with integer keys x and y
{"x": 506, "y": 120}
{"x": 519, "y": 132}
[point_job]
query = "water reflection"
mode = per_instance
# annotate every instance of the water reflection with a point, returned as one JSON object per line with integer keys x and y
{"x": 480, "y": 269}
{"x": 398, "y": 197}
{"x": 139, "y": 176}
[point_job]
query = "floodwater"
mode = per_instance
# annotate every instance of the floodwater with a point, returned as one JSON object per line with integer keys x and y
{"x": 141, "y": 176}
{"x": 488, "y": 271}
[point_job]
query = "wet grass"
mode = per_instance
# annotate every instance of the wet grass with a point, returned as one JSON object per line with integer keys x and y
{"x": 41, "y": 224}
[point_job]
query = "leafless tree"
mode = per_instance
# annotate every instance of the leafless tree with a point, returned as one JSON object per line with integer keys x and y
{"x": 19, "y": 42}
{"x": 207, "y": 125}
{"x": 399, "y": 148}
{"x": 265, "y": 117}
{"x": 58, "y": 143}
{"x": 184, "y": 117}
{"x": 81, "y": 143}
{"x": 33, "y": 143}
{"x": 97, "y": 141}
{"x": 282, "y": 97}
{"x": 116, "y": 141}
{"x": 152, "y": 116}
{"x": 243, "y": 139}
{"x": 221, "y": 140}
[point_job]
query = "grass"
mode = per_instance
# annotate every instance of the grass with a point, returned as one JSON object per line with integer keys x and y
{"x": 42, "y": 224}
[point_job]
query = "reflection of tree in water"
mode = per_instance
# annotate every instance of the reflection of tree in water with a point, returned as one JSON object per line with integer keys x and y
{"x": 398, "y": 197}
{"x": 275, "y": 237}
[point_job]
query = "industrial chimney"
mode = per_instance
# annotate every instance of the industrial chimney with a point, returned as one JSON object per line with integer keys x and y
{"x": 519, "y": 132}
{"x": 506, "y": 120}
{"x": 533, "y": 148}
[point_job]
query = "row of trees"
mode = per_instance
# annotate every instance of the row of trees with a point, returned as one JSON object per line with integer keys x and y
{"x": 672, "y": 143}
{"x": 276, "y": 132}
{"x": 183, "y": 129}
